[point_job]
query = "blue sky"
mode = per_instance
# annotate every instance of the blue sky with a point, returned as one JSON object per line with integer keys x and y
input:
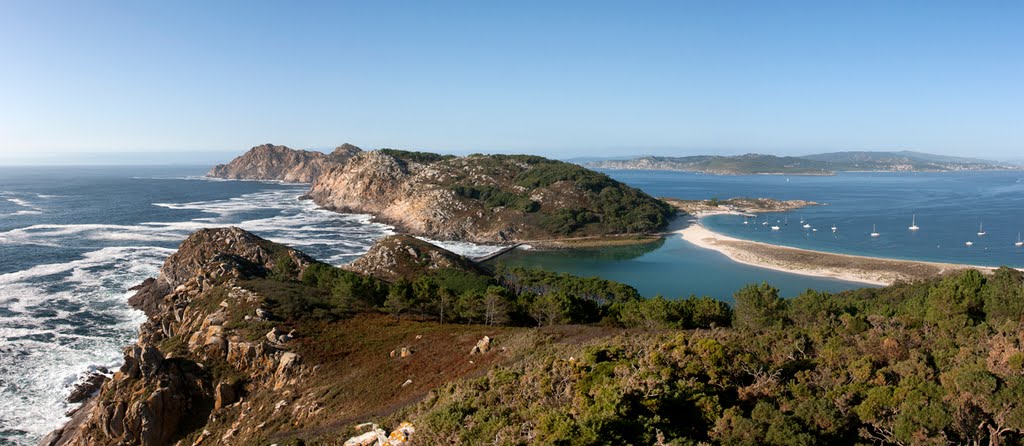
{"x": 553, "y": 78}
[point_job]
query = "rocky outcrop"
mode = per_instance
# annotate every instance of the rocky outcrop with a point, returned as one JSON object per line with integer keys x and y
{"x": 486, "y": 198}
{"x": 270, "y": 162}
{"x": 403, "y": 256}
{"x": 376, "y": 436}
{"x": 213, "y": 254}
{"x": 189, "y": 356}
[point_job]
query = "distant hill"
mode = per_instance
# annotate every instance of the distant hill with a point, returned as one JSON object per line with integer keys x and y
{"x": 818, "y": 164}
{"x": 750, "y": 163}
{"x": 904, "y": 156}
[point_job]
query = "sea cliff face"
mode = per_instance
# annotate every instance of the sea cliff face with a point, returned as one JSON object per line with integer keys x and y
{"x": 233, "y": 351}
{"x": 486, "y": 198}
{"x": 192, "y": 353}
{"x": 270, "y": 162}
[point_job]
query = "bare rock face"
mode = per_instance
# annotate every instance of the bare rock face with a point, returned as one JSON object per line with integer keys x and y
{"x": 486, "y": 198}
{"x": 399, "y": 256}
{"x": 210, "y": 255}
{"x": 270, "y": 162}
{"x": 205, "y": 245}
{"x": 152, "y": 396}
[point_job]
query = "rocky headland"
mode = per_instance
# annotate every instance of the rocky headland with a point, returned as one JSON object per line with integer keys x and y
{"x": 477, "y": 198}
{"x": 234, "y": 351}
{"x": 487, "y": 198}
{"x": 280, "y": 163}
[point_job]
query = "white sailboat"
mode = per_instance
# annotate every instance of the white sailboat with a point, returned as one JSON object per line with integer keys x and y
{"x": 834, "y": 228}
{"x": 969, "y": 243}
{"x": 913, "y": 223}
{"x": 874, "y": 231}
{"x": 807, "y": 226}
{"x": 1019, "y": 242}
{"x": 775, "y": 228}
{"x": 981, "y": 230}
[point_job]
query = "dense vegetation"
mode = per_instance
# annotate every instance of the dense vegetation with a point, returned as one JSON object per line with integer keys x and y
{"x": 416, "y": 157}
{"x": 935, "y": 362}
{"x": 494, "y": 197}
{"x": 514, "y": 296}
{"x": 589, "y": 203}
{"x": 939, "y": 362}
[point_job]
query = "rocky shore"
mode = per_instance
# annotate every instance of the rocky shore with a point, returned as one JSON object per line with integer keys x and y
{"x": 218, "y": 361}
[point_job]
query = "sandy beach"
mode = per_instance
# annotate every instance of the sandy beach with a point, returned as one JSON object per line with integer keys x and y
{"x": 852, "y": 268}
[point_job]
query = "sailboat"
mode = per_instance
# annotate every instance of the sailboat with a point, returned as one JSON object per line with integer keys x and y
{"x": 913, "y": 223}
{"x": 874, "y": 231}
{"x": 981, "y": 230}
{"x": 775, "y": 228}
{"x": 807, "y": 226}
{"x": 1019, "y": 243}
{"x": 834, "y": 228}
{"x": 969, "y": 243}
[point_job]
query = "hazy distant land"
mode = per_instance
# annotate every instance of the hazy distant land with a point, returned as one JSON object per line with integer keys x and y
{"x": 818, "y": 164}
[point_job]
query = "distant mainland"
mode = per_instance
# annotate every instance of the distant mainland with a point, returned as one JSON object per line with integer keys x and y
{"x": 818, "y": 164}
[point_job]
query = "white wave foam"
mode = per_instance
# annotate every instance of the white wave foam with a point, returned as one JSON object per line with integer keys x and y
{"x": 467, "y": 249}
{"x": 56, "y": 324}
{"x": 28, "y": 208}
{"x": 56, "y": 327}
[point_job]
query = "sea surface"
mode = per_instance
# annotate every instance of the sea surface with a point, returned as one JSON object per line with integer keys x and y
{"x": 949, "y": 208}
{"x": 73, "y": 240}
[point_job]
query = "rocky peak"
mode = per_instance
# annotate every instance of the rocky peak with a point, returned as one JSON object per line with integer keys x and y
{"x": 205, "y": 245}
{"x": 272, "y": 162}
{"x": 210, "y": 255}
{"x": 345, "y": 151}
{"x": 402, "y": 256}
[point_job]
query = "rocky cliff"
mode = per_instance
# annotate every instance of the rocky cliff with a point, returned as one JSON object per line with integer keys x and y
{"x": 270, "y": 162}
{"x": 486, "y": 198}
{"x": 233, "y": 352}
{"x": 197, "y": 346}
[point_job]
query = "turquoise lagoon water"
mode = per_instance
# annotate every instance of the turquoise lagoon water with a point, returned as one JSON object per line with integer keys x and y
{"x": 949, "y": 207}
{"x": 673, "y": 268}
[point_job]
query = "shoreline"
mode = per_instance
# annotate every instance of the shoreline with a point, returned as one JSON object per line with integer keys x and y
{"x": 852, "y": 268}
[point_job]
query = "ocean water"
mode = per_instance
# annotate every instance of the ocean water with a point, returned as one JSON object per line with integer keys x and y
{"x": 74, "y": 239}
{"x": 949, "y": 208}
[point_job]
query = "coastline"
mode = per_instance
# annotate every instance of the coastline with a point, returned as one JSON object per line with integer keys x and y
{"x": 852, "y": 268}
